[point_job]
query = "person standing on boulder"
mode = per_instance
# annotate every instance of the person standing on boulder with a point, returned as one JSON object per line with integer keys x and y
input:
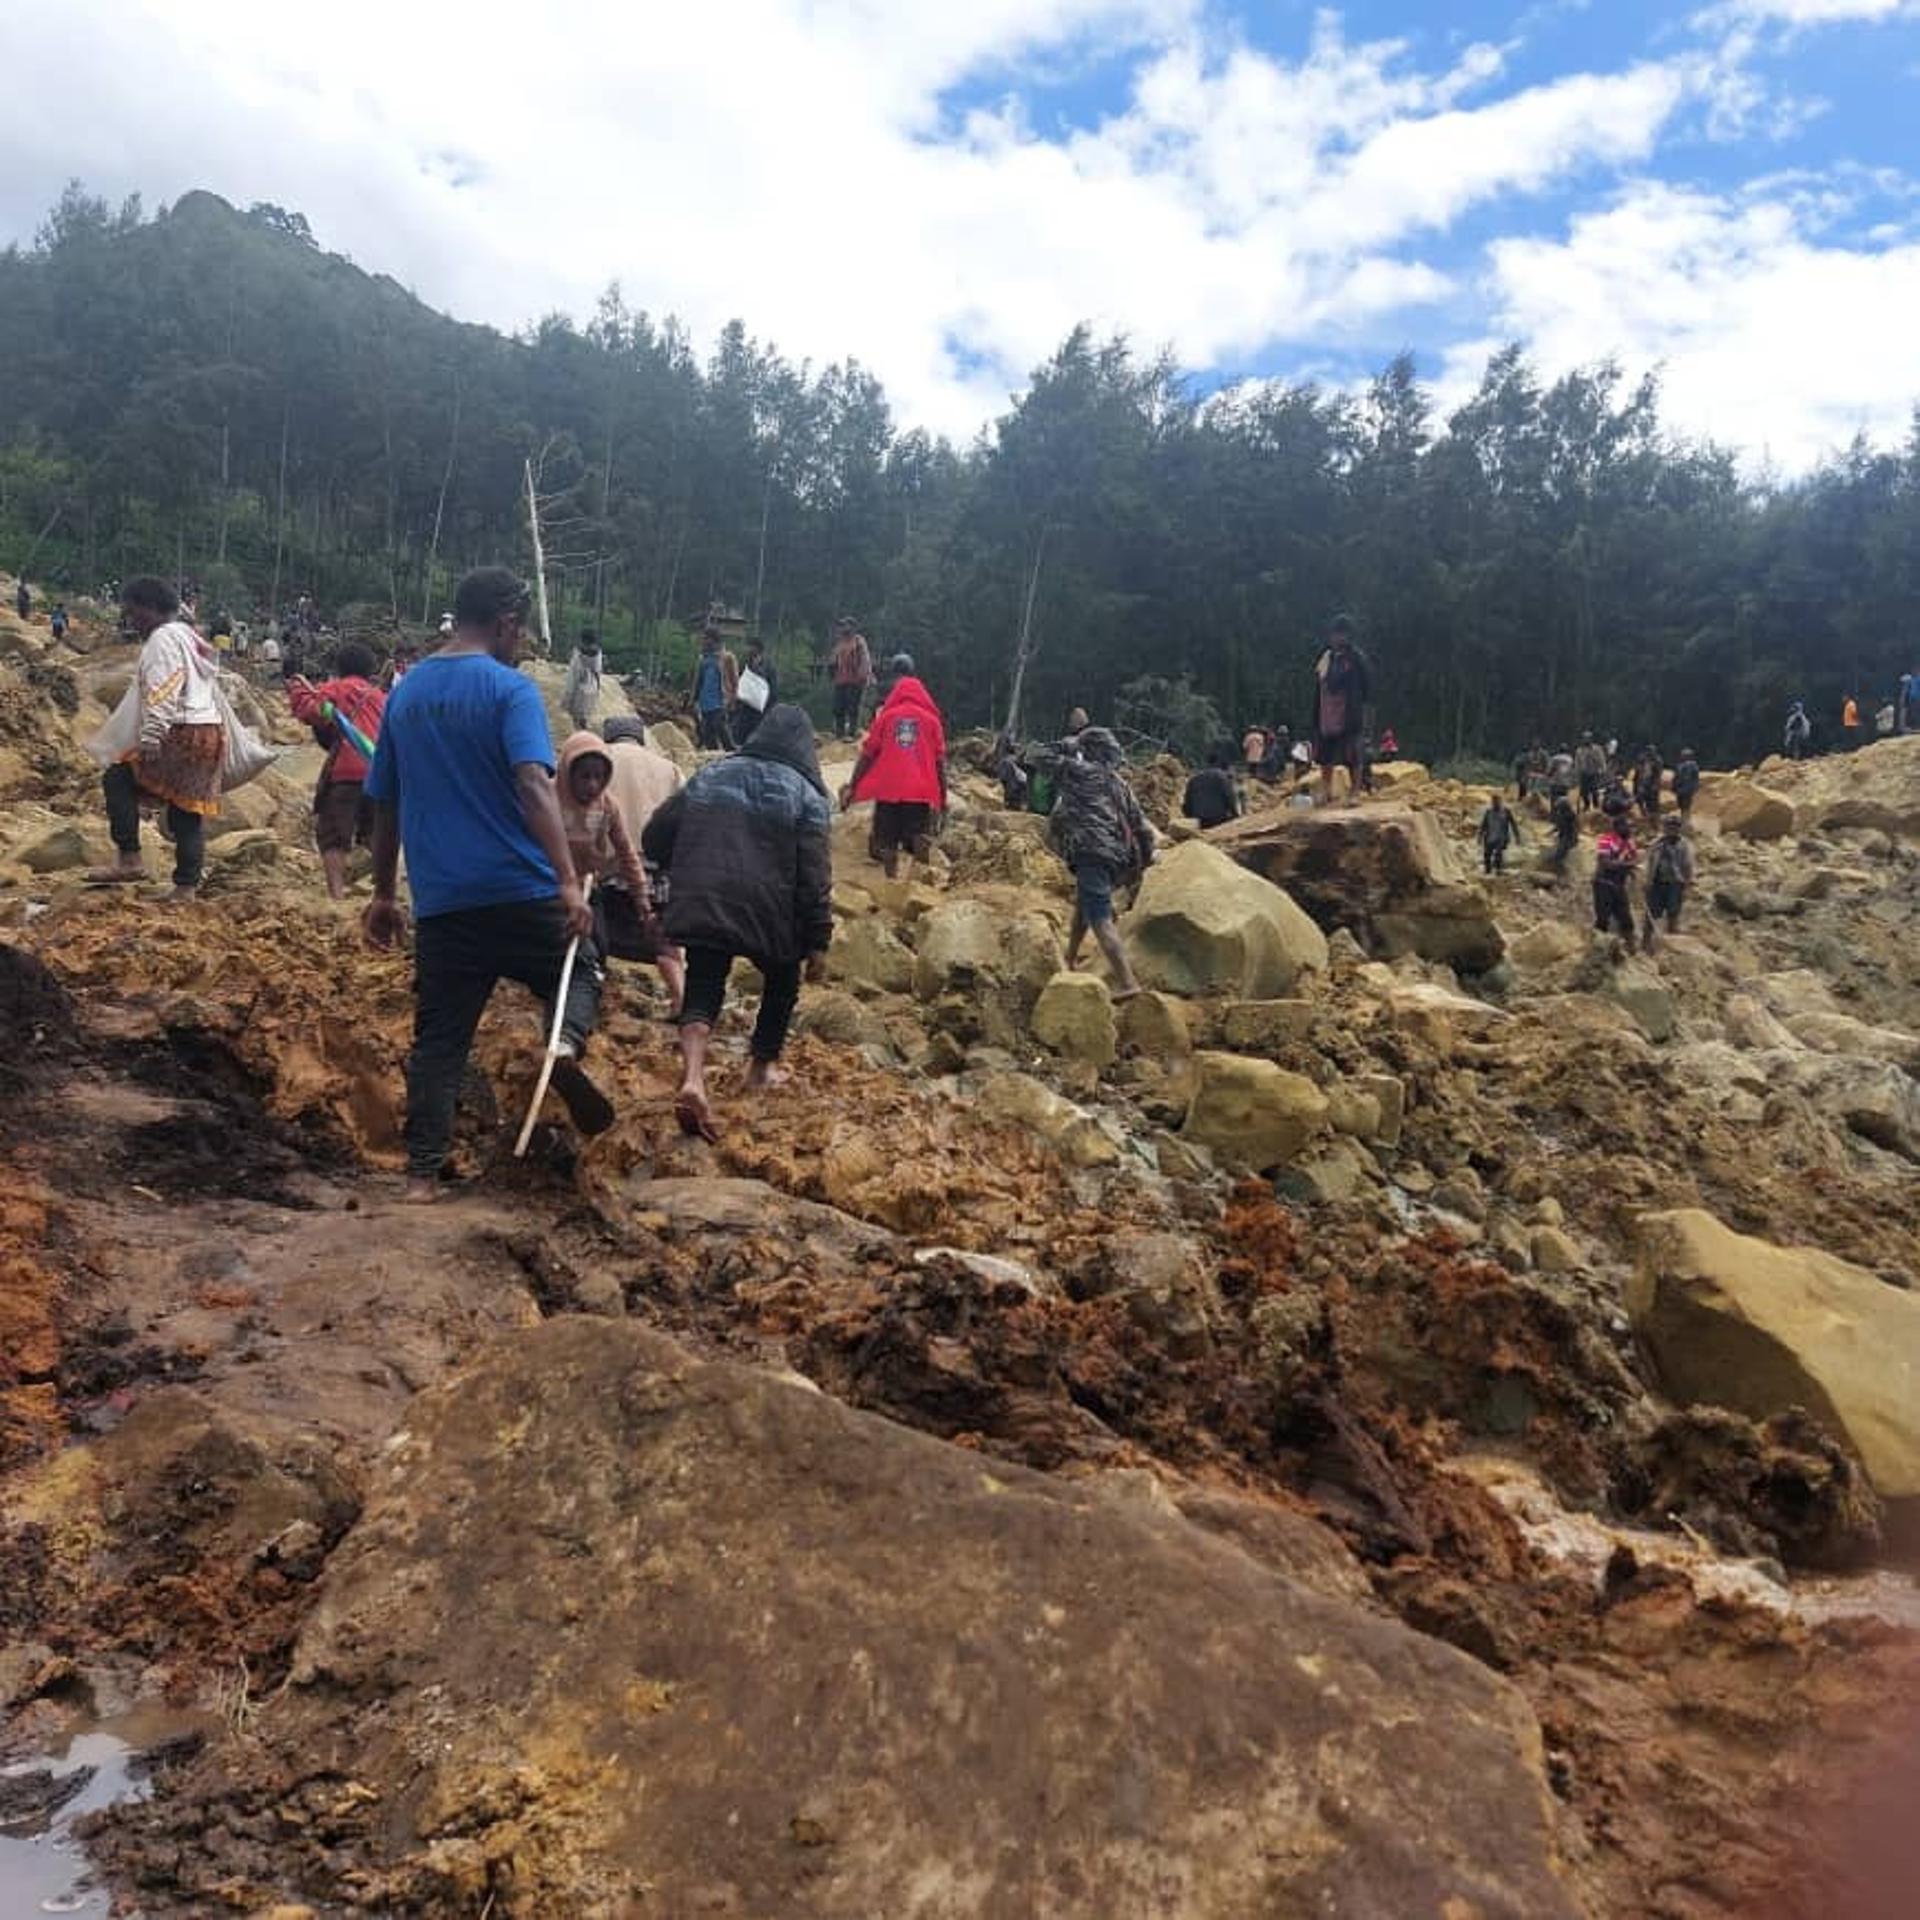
{"x": 1342, "y": 687}
{"x": 852, "y": 676}
{"x": 1100, "y": 832}
{"x": 747, "y": 852}
{"x": 181, "y": 743}
{"x": 1616, "y": 859}
{"x": 339, "y": 802}
{"x": 902, "y": 768}
{"x": 1498, "y": 830}
{"x": 1669, "y": 876}
{"x": 463, "y": 782}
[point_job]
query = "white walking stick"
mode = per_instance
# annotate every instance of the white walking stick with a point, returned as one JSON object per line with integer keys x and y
{"x": 553, "y": 1042}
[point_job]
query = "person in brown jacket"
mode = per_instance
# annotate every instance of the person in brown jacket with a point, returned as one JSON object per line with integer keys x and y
{"x": 852, "y": 676}
{"x": 716, "y": 685}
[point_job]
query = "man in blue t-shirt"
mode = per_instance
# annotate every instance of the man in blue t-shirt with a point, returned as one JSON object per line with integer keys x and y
{"x": 463, "y": 782}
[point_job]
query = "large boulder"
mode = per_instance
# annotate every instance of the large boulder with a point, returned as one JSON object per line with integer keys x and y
{"x": 1251, "y": 1112}
{"x": 1019, "y": 1100}
{"x": 764, "y": 1654}
{"x": 1385, "y": 873}
{"x": 1074, "y": 1018}
{"x": 1752, "y": 812}
{"x": 1205, "y": 924}
{"x": 1734, "y": 1322}
{"x": 984, "y": 967}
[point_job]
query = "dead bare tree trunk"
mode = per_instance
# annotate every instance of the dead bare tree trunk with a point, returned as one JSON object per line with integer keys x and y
{"x": 539, "y": 564}
{"x": 440, "y": 509}
{"x": 279, "y": 517}
{"x": 1023, "y": 653}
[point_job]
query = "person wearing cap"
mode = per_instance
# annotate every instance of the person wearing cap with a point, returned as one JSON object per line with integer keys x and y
{"x": 852, "y": 676}
{"x": 1342, "y": 687}
{"x": 902, "y": 768}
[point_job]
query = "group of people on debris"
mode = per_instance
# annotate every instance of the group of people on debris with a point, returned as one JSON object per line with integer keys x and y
{"x": 1898, "y": 713}
{"x": 1616, "y": 786}
{"x": 1340, "y": 698}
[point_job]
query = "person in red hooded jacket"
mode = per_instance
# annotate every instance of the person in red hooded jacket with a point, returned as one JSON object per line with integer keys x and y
{"x": 341, "y": 815}
{"x": 902, "y": 768}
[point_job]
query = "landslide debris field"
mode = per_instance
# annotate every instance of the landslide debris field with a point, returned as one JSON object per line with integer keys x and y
{"x": 1406, "y": 1418}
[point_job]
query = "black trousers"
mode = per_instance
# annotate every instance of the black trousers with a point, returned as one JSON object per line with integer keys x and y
{"x": 846, "y": 711}
{"x": 707, "y": 970}
{"x": 1493, "y": 859}
{"x": 189, "y": 830}
{"x": 1612, "y": 908}
{"x": 713, "y": 731}
{"x": 458, "y": 959}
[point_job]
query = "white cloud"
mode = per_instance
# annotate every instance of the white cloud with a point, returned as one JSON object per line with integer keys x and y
{"x": 794, "y": 162}
{"x": 1772, "y": 339}
{"x": 1813, "y": 13}
{"x": 800, "y": 164}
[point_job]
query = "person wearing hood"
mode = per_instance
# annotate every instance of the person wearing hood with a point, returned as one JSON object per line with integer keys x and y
{"x": 182, "y": 741}
{"x": 902, "y": 768}
{"x": 746, "y": 849}
{"x": 642, "y": 782}
{"x": 604, "y": 854}
{"x": 580, "y": 696}
{"x": 1099, "y": 831}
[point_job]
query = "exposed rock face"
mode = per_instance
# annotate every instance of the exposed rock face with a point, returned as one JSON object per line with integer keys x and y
{"x": 1251, "y": 1112}
{"x": 784, "y": 1657}
{"x": 868, "y": 953}
{"x": 1386, "y": 874}
{"x": 1734, "y": 1322}
{"x": 1202, "y": 924}
{"x": 996, "y": 962}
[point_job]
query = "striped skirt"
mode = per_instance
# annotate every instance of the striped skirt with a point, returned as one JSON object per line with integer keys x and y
{"x": 184, "y": 768}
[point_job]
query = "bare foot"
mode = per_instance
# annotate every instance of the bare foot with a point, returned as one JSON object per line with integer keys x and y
{"x": 695, "y": 1117}
{"x": 763, "y": 1073}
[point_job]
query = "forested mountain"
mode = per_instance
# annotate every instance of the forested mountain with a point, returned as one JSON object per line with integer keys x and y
{"x": 210, "y": 392}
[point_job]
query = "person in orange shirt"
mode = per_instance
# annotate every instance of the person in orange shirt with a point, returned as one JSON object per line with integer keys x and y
{"x": 1849, "y": 724}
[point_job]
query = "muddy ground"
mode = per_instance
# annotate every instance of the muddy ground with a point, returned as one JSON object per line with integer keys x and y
{"x": 217, "y": 1313}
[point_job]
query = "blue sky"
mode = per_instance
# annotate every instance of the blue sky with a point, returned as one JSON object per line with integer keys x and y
{"x": 1272, "y": 190}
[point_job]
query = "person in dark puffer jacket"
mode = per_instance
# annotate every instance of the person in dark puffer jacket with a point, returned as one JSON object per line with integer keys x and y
{"x": 745, "y": 847}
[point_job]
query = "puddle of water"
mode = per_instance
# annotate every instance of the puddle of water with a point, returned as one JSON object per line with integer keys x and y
{"x": 43, "y": 1869}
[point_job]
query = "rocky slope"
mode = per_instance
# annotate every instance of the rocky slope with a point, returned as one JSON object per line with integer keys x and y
{"x": 1249, "y": 1450}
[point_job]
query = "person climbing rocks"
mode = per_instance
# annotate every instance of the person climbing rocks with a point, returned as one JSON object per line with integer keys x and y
{"x": 605, "y": 854}
{"x": 643, "y": 781}
{"x": 341, "y": 815}
{"x": 1099, "y": 831}
{"x": 1565, "y": 823}
{"x": 902, "y": 769}
{"x": 1616, "y": 859}
{"x": 580, "y": 695}
{"x": 1590, "y": 769}
{"x": 1211, "y": 798}
{"x": 462, "y": 782}
{"x": 758, "y": 689}
{"x": 746, "y": 849}
{"x": 852, "y": 676}
{"x": 716, "y": 684}
{"x": 1849, "y": 724}
{"x": 1343, "y": 686}
{"x": 1498, "y": 831}
{"x": 1669, "y": 876}
{"x": 1799, "y": 731}
{"x": 23, "y": 600}
{"x": 181, "y": 742}
{"x": 1686, "y": 782}
{"x": 1011, "y": 772}
{"x": 57, "y": 619}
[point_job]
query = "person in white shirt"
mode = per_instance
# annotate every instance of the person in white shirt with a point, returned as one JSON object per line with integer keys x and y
{"x": 181, "y": 744}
